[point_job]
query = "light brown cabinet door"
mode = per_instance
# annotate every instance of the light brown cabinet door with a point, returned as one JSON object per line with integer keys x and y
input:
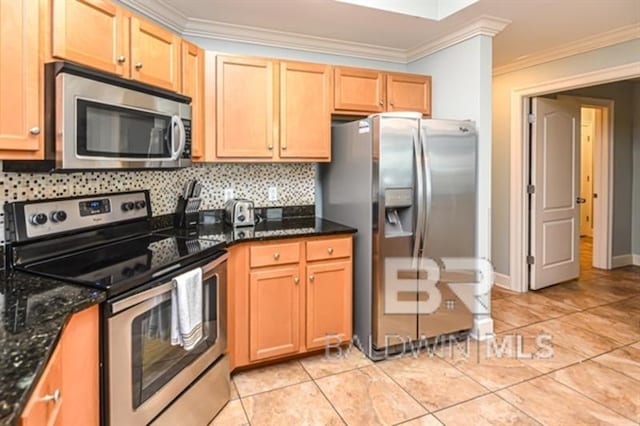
{"x": 21, "y": 97}
{"x": 329, "y": 298}
{"x": 407, "y": 92}
{"x": 274, "y": 312}
{"x": 358, "y": 89}
{"x": 92, "y": 33}
{"x": 305, "y": 111}
{"x": 155, "y": 55}
{"x": 192, "y": 73}
{"x": 245, "y": 109}
{"x": 80, "y": 369}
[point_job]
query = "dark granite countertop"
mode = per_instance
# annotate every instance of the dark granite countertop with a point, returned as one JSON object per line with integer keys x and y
{"x": 33, "y": 312}
{"x": 294, "y": 227}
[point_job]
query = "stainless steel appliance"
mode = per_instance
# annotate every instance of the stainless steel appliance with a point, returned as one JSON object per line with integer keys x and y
{"x": 99, "y": 121}
{"x": 239, "y": 213}
{"x": 105, "y": 241}
{"x": 409, "y": 186}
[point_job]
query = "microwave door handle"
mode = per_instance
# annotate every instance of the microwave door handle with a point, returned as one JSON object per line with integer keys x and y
{"x": 177, "y": 121}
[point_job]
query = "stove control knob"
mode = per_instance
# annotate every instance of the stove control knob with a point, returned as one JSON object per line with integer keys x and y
{"x": 127, "y": 206}
{"x": 39, "y": 219}
{"x": 241, "y": 218}
{"x": 140, "y": 204}
{"x": 59, "y": 216}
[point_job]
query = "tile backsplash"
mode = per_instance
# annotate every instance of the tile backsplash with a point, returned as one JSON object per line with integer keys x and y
{"x": 295, "y": 184}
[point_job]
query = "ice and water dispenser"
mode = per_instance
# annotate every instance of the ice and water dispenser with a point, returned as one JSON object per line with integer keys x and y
{"x": 399, "y": 220}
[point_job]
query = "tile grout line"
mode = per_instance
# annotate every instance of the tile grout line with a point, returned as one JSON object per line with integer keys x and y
{"x": 335, "y": 410}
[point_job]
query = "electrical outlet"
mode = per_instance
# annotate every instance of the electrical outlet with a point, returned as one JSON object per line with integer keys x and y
{"x": 273, "y": 193}
{"x": 228, "y": 194}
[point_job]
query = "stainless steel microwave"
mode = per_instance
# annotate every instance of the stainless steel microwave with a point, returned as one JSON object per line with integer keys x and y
{"x": 95, "y": 120}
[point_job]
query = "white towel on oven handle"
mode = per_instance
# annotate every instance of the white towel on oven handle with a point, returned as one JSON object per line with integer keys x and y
{"x": 186, "y": 309}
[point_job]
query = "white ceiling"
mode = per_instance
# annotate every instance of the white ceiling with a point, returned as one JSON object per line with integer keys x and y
{"x": 536, "y": 25}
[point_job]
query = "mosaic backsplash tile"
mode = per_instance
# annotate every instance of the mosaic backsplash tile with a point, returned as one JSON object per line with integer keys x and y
{"x": 295, "y": 184}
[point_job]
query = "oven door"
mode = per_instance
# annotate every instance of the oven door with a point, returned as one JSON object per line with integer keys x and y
{"x": 102, "y": 125}
{"x": 145, "y": 372}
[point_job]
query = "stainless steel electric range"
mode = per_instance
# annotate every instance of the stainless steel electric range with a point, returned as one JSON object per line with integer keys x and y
{"x": 105, "y": 241}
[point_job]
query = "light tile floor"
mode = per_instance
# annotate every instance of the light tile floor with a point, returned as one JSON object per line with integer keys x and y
{"x": 593, "y": 377}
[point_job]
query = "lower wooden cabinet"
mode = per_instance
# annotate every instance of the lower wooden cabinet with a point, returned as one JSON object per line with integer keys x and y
{"x": 329, "y": 318}
{"x": 288, "y": 297}
{"x": 68, "y": 392}
{"x": 274, "y": 312}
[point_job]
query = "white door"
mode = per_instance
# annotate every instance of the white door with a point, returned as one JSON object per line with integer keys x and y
{"x": 555, "y": 172}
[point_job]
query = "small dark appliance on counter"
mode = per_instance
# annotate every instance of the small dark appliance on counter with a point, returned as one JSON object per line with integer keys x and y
{"x": 188, "y": 208}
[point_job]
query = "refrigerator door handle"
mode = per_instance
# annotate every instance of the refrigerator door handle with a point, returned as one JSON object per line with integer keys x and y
{"x": 417, "y": 147}
{"x": 428, "y": 189}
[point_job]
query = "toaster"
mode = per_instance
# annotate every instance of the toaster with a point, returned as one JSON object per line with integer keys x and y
{"x": 239, "y": 213}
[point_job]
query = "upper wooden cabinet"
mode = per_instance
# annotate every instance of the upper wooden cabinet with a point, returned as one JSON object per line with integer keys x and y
{"x": 305, "y": 111}
{"x": 155, "y": 55}
{"x": 246, "y": 114}
{"x": 104, "y": 36}
{"x": 192, "y": 85}
{"x": 268, "y": 110}
{"x": 363, "y": 91}
{"x": 358, "y": 90}
{"x": 21, "y": 85}
{"x": 91, "y": 32}
{"x": 408, "y": 92}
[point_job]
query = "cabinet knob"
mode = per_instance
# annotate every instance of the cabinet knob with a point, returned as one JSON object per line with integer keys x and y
{"x": 330, "y": 250}
{"x": 34, "y": 130}
{"x": 391, "y": 103}
{"x": 270, "y": 147}
{"x": 121, "y": 59}
{"x": 55, "y": 397}
{"x": 296, "y": 280}
{"x": 284, "y": 147}
{"x": 139, "y": 65}
{"x": 276, "y": 256}
{"x": 381, "y": 102}
{"x": 311, "y": 278}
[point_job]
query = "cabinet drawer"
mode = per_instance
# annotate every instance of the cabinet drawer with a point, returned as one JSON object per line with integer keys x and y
{"x": 42, "y": 408}
{"x": 274, "y": 254}
{"x": 328, "y": 249}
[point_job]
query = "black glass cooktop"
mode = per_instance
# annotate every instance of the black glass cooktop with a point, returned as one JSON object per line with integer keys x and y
{"x": 123, "y": 265}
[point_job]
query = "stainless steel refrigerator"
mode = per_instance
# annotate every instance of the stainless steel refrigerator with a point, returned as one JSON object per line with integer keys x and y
{"x": 409, "y": 186}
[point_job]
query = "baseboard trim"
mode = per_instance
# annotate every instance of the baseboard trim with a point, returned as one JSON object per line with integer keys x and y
{"x": 624, "y": 260}
{"x": 636, "y": 259}
{"x": 502, "y": 280}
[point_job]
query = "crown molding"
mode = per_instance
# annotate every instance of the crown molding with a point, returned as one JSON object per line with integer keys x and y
{"x": 265, "y": 37}
{"x": 484, "y": 25}
{"x": 597, "y": 41}
{"x": 170, "y": 17}
{"x": 160, "y": 11}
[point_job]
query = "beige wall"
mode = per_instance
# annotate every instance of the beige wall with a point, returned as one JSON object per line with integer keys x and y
{"x": 503, "y": 85}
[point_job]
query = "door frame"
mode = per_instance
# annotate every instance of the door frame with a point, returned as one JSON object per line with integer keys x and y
{"x": 518, "y": 204}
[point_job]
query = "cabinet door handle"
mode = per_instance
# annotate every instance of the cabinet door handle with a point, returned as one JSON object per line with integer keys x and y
{"x": 330, "y": 250}
{"x": 311, "y": 278}
{"x": 55, "y": 397}
{"x": 34, "y": 130}
{"x": 276, "y": 256}
{"x": 296, "y": 280}
{"x": 381, "y": 102}
{"x": 139, "y": 65}
{"x": 121, "y": 59}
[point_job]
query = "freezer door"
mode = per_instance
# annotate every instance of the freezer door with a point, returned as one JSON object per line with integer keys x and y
{"x": 396, "y": 168}
{"x": 450, "y": 158}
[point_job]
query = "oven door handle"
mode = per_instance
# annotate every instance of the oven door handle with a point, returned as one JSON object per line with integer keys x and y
{"x": 207, "y": 271}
